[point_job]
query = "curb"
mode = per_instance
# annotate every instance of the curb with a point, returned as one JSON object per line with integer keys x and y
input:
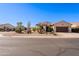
{"x": 36, "y": 37}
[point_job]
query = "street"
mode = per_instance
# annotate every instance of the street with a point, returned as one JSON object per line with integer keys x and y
{"x": 10, "y": 46}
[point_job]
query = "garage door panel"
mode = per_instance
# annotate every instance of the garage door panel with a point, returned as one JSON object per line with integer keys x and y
{"x": 62, "y": 29}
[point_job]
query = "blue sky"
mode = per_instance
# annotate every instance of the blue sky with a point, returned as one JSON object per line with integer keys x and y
{"x": 38, "y": 12}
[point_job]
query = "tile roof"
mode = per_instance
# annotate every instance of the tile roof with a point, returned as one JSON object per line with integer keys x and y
{"x": 75, "y": 23}
{"x": 62, "y": 23}
{"x": 44, "y": 23}
{"x": 7, "y": 25}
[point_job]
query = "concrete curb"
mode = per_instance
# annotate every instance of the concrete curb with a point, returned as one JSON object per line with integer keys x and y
{"x": 37, "y": 37}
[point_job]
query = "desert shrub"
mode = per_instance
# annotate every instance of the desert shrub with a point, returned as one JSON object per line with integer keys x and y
{"x": 40, "y": 29}
{"x": 34, "y": 29}
{"x": 55, "y": 34}
{"x": 49, "y": 29}
{"x": 1, "y": 29}
{"x": 19, "y": 27}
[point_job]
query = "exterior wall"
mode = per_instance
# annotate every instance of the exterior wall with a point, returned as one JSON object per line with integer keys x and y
{"x": 44, "y": 28}
{"x": 70, "y": 29}
{"x": 54, "y": 28}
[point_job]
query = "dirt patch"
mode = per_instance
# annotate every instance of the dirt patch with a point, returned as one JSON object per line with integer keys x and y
{"x": 59, "y": 35}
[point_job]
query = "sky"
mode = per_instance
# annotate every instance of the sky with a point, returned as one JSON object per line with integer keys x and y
{"x": 38, "y": 12}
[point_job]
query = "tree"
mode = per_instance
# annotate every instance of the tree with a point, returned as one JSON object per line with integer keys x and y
{"x": 19, "y": 27}
{"x": 28, "y": 27}
{"x": 28, "y": 24}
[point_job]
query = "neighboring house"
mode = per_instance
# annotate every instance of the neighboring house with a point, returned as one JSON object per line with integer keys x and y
{"x": 75, "y": 26}
{"x": 6, "y": 27}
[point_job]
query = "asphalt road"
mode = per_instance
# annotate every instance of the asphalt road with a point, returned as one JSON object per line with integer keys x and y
{"x": 39, "y": 46}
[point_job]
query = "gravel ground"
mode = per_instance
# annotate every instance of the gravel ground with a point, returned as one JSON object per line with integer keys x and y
{"x": 36, "y": 35}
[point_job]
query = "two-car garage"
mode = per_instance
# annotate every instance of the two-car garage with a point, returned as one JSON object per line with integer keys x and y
{"x": 62, "y": 26}
{"x": 61, "y": 29}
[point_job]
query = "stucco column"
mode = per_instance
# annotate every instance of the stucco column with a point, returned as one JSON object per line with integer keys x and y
{"x": 44, "y": 28}
{"x": 54, "y": 28}
{"x": 69, "y": 28}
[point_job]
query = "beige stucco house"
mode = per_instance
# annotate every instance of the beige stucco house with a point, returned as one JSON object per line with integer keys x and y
{"x": 62, "y": 26}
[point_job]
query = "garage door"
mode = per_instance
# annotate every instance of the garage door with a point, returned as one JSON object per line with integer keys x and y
{"x": 61, "y": 29}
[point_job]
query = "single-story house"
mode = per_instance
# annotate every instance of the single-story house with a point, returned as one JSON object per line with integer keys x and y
{"x": 61, "y": 26}
{"x": 6, "y": 27}
{"x": 75, "y": 26}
